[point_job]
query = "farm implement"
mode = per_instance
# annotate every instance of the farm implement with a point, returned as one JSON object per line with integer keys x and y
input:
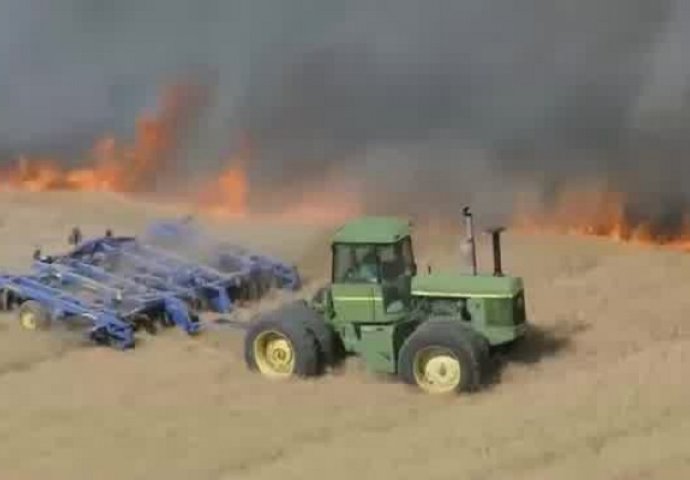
{"x": 143, "y": 282}
{"x": 111, "y": 313}
{"x": 160, "y": 308}
{"x": 171, "y": 260}
{"x": 190, "y": 240}
{"x": 126, "y": 258}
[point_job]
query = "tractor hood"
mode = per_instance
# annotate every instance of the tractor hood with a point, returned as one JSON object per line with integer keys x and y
{"x": 458, "y": 285}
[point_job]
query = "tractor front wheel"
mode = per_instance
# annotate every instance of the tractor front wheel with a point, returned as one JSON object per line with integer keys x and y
{"x": 440, "y": 358}
{"x": 280, "y": 348}
{"x": 33, "y": 316}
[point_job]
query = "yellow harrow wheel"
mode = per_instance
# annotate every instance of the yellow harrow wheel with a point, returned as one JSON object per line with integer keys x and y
{"x": 274, "y": 354}
{"x": 32, "y": 316}
{"x": 437, "y": 370}
{"x": 27, "y": 319}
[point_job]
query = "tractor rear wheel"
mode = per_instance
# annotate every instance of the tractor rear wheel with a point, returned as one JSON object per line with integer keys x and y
{"x": 440, "y": 358}
{"x": 33, "y": 316}
{"x": 330, "y": 348}
{"x": 281, "y": 347}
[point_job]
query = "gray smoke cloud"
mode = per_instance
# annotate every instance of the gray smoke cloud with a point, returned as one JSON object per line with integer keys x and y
{"x": 431, "y": 103}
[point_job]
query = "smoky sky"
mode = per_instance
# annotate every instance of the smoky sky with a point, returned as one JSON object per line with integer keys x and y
{"x": 428, "y": 101}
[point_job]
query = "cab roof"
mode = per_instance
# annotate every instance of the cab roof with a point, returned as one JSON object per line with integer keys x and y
{"x": 373, "y": 230}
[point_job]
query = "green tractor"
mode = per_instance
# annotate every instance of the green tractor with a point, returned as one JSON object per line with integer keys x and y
{"x": 435, "y": 331}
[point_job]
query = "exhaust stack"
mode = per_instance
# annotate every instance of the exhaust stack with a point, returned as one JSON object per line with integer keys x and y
{"x": 496, "y": 242}
{"x": 469, "y": 240}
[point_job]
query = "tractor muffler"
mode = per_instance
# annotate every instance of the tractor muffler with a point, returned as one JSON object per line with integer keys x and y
{"x": 496, "y": 242}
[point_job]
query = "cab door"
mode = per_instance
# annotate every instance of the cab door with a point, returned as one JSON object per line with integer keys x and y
{"x": 354, "y": 303}
{"x": 355, "y": 283}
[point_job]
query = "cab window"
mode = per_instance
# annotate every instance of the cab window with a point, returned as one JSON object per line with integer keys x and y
{"x": 343, "y": 261}
{"x": 408, "y": 256}
{"x": 396, "y": 259}
{"x": 391, "y": 261}
{"x": 355, "y": 264}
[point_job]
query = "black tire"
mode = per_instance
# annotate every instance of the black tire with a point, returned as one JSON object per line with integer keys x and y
{"x": 194, "y": 304}
{"x": 302, "y": 341}
{"x": 5, "y": 300}
{"x": 328, "y": 342}
{"x": 37, "y": 312}
{"x": 450, "y": 337}
{"x": 196, "y": 320}
{"x": 147, "y": 323}
{"x": 482, "y": 351}
{"x": 100, "y": 337}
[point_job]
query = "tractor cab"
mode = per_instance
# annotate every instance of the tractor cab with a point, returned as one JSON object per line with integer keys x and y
{"x": 373, "y": 265}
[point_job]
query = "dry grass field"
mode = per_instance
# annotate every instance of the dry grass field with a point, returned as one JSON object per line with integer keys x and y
{"x": 601, "y": 390}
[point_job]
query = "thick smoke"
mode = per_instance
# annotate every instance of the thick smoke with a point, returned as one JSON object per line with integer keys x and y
{"x": 431, "y": 103}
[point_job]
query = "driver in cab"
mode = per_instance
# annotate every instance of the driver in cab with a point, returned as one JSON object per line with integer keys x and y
{"x": 367, "y": 267}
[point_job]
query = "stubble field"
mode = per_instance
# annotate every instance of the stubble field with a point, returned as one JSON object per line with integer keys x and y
{"x": 599, "y": 391}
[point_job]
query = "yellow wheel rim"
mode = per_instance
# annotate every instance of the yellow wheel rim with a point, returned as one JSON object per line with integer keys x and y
{"x": 27, "y": 319}
{"x": 274, "y": 355}
{"x": 437, "y": 370}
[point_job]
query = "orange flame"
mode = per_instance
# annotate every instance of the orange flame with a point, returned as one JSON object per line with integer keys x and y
{"x": 114, "y": 167}
{"x": 597, "y": 211}
{"x": 128, "y": 168}
{"x": 333, "y": 200}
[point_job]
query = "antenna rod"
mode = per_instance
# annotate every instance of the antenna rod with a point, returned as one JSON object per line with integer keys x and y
{"x": 469, "y": 240}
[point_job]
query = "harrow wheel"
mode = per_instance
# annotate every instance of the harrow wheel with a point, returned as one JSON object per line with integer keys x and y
{"x": 145, "y": 322}
{"x": 33, "y": 316}
{"x": 280, "y": 348}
